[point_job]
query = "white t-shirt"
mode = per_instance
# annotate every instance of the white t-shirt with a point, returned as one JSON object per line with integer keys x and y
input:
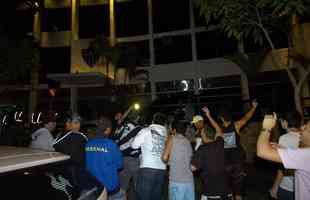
{"x": 42, "y": 139}
{"x": 151, "y": 140}
{"x": 298, "y": 159}
{"x": 290, "y": 140}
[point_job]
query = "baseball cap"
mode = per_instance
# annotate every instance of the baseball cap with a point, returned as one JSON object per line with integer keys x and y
{"x": 196, "y": 119}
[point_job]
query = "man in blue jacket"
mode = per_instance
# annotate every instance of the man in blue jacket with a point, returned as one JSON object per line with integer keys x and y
{"x": 103, "y": 157}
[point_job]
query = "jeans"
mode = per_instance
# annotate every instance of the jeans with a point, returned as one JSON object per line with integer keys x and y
{"x": 150, "y": 184}
{"x": 285, "y": 195}
{"x": 181, "y": 191}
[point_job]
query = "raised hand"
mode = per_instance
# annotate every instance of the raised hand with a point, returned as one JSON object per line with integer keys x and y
{"x": 206, "y": 110}
{"x": 254, "y": 103}
{"x": 270, "y": 121}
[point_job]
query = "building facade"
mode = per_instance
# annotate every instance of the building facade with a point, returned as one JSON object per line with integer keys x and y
{"x": 180, "y": 54}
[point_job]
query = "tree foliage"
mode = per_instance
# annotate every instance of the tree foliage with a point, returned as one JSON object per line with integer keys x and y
{"x": 243, "y": 18}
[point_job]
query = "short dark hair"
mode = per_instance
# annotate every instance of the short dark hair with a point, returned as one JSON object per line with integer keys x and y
{"x": 159, "y": 118}
{"x": 293, "y": 119}
{"x": 48, "y": 117}
{"x": 103, "y": 123}
{"x": 179, "y": 126}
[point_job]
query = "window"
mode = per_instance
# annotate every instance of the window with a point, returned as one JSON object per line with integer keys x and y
{"x": 55, "y": 60}
{"x": 206, "y": 45}
{"x": 170, "y": 15}
{"x": 25, "y": 21}
{"x": 214, "y": 44}
{"x": 94, "y": 20}
{"x": 199, "y": 19}
{"x": 136, "y": 53}
{"x": 173, "y": 49}
{"x": 131, "y": 18}
{"x": 56, "y": 20}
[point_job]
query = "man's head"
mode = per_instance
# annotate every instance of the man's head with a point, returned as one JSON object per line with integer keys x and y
{"x": 49, "y": 121}
{"x": 159, "y": 118}
{"x": 291, "y": 120}
{"x": 104, "y": 126}
{"x": 118, "y": 117}
{"x": 76, "y": 122}
{"x": 198, "y": 122}
{"x": 178, "y": 127}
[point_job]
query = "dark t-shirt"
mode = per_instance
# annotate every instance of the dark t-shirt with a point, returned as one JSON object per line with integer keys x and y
{"x": 234, "y": 154}
{"x": 72, "y": 144}
{"x": 209, "y": 158}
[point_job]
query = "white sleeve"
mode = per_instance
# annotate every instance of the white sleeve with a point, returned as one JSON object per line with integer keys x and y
{"x": 50, "y": 141}
{"x": 295, "y": 158}
{"x": 139, "y": 139}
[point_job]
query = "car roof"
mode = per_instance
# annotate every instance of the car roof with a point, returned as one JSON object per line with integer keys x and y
{"x": 16, "y": 158}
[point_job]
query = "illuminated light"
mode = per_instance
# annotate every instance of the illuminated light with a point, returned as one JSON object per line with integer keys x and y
{"x": 136, "y": 106}
{"x": 15, "y": 116}
{"x": 36, "y": 4}
{"x": 18, "y": 116}
{"x": 185, "y": 83}
{"x": 32, "y": 116}
{"x": 4, "y": 119}
{"x": 200, "y": 84}
{"x": 38, "y": 119}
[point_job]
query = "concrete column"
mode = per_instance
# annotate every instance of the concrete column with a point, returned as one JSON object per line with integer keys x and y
{"x": 153, "y": 91}
{"x": 194, "y": 49}
{"x": 74, "y": 99}
{"x": 34, "y": 82}
{"x": 112, "y": 22}
{"x": 151, "y": 46}
{"x": 75, "y": 4}
{"x": 151, "y": 32}
{"x": 37, "y": 26}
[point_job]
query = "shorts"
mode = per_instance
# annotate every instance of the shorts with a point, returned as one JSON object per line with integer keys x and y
{"x": 236, "y": 175}
{"x": 130, "y": 170}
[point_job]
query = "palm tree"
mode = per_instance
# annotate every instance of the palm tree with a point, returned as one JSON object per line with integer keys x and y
{"x": 129, "y": 61}
{"x": 103, "y": 52}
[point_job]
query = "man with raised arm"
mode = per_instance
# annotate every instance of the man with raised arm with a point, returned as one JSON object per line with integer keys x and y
{"x": 210, "y": 159}
{"x": 234, "y": 152}
{"x": 297, "y": 159}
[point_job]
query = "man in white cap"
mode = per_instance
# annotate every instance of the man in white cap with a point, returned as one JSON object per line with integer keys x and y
{"x": 201, "y": 135}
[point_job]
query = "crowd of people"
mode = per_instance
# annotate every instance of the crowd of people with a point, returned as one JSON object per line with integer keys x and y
{"x": 124, "y": 154}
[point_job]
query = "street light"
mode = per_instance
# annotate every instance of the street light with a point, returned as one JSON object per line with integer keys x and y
{"x": 136, "y": 106}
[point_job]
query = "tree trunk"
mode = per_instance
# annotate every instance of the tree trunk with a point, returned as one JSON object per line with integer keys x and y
{"x": 34, "y": 85}
{"x": 125, "y": 76}
{"x": 107, "y": 71}
{"x": 297, "y": 99}
{"x": 115, "y": 71}
{"x": 244, "y": 79}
